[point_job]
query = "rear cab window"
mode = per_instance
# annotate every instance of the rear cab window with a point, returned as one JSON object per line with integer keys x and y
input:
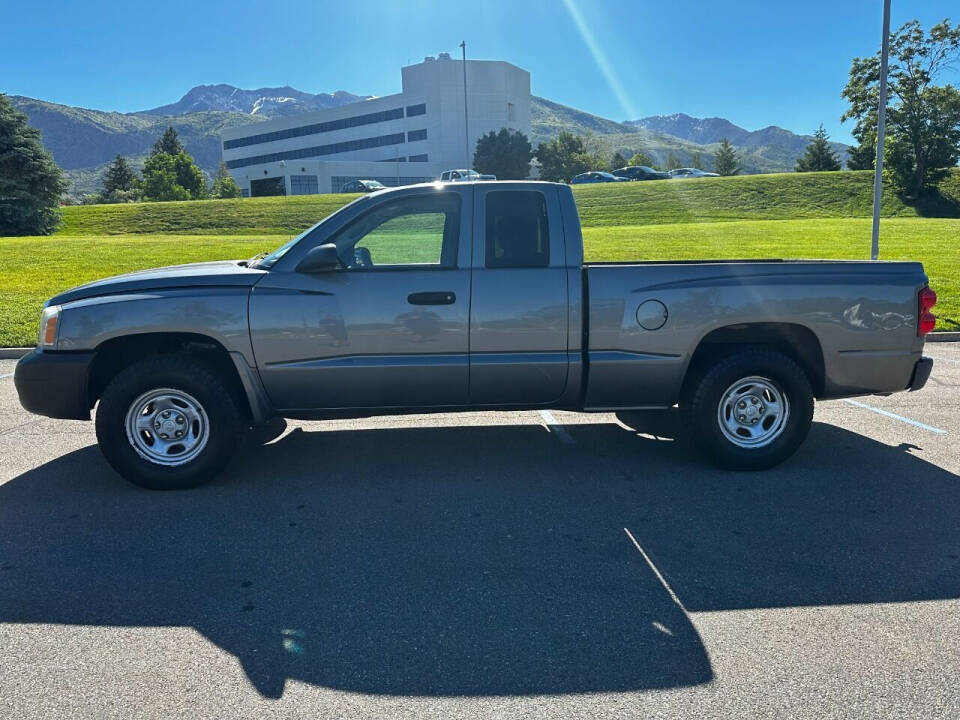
{"x": 517, "y": 234}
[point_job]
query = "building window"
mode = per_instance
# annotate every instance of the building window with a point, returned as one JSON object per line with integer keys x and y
{"x": 516, "y": 229}
{"x": 511, "y": 112}
{"x": 414, "y": 110}
{"x": 396, "y": 159}
{"x": 304, "y": 185}
{"x": 329, "y": 126}
{"x": 318, "y": 150}
{"x": 267, "y": 187}
{"x": 418, "y": 158}
{"x": 415, "y": 135}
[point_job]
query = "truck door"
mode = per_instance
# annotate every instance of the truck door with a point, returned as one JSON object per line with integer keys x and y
{"x": 389, "y": 328}
{"x": 518, "y": 310}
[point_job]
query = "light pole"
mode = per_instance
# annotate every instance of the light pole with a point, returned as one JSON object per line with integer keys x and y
{"x": 881, "y": 131}
{"x": 466, "y": 124}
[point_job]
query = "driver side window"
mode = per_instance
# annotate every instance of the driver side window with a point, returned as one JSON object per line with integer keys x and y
{"x": 416, "y": 230}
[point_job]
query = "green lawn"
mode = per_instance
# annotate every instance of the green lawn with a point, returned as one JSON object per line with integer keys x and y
{"x": 33, "y": 269}
{"x": 809, "y": 215}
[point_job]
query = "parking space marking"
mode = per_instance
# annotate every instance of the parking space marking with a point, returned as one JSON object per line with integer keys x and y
{"x": 6, "y": 376}
{"x": 901, "y": 418}
{"x": 660, "y": 577}
{"x": 946, "y": 360}
{"x": 556, "y": 428}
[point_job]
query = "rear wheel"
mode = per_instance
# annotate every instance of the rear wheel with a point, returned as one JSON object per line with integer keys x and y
{"x": 168, "y": 423}
{"x": 751, "y": 410}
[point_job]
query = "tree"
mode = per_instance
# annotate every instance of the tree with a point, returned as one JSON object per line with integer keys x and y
{"x": 726, "y": 161}
{"x": 618, "y": 160}
{"x": 120, "y": 182}
{"x": 863, "y": 156}
{"x": 641, "y": 158}
{"x": 506, "y": 154}
{"x": 172, "y": 177}
{"x": 168, "y": 143}
{"x": 30, "y": 181}
{"x": 224, "y": 186}
{"x": 818, "y": 154}
{"x": 563, "y": 157}
{"x": 673, "y": 162}
{"x": 923, "y": 119}
{"x": 696, "y": 161}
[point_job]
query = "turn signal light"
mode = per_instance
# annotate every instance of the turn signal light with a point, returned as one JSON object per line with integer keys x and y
{"x": 49, "y": 324}
{"x": 926, "y": 319}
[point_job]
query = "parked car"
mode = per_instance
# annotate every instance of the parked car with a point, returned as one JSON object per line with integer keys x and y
{"x": 640, "y": 172}
{"x": 181, "y": 359}
{"x": 594, "y": 176}
{"x": 691, "y": 173}
{"x": 362, "y": 186}
{"x": 464, "y": 176}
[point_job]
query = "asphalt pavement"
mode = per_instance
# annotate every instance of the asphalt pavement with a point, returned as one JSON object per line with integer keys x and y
{"x": 520, "y": 564}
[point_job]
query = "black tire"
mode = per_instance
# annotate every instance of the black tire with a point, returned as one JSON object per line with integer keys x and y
{"x": 184, "y": 374}
{"x": 703, "y": 414}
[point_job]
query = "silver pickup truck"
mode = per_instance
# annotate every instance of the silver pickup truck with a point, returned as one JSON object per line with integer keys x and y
{"x": 467, "y": 296}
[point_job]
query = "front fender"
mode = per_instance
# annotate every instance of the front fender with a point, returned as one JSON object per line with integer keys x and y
{"x": 216, "y": 312}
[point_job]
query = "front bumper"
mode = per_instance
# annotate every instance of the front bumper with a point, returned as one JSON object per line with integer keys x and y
{"x": 55, "y": 384}
{"x": 921, "y": 373}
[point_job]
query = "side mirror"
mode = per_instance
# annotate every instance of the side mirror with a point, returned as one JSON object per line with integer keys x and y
{"x": 322, "y": 258}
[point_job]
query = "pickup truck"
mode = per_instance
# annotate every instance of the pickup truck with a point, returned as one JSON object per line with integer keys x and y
{"x": 451, "y": 297}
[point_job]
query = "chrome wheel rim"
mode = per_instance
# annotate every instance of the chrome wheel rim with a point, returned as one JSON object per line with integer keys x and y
{"x": 753, "y": 412}
{"x": 167, "y": 427}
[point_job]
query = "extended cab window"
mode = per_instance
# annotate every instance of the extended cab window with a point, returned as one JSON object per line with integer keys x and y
{"x": 516, "y": 225}
{"x": 415, "y": 230}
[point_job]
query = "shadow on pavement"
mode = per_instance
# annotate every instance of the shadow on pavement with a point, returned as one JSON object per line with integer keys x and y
{"x": 475, "y": 560}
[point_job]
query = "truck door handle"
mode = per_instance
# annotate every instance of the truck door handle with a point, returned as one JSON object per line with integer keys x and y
{"x": 444, "y": 297}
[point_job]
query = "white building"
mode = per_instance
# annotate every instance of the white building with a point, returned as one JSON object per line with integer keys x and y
{"x": 399, "y": 139}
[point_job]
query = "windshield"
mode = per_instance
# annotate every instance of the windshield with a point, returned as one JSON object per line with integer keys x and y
{"x": 269, "y": 260}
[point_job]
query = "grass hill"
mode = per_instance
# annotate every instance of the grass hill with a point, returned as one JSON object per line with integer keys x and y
{"x": 747, "y": 197}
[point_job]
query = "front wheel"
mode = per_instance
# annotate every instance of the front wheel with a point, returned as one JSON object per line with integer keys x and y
{"x": 167, "y": 423}
{"x": 751, "y": 410}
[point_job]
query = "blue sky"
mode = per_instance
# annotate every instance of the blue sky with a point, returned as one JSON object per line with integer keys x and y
{"x": 755, "y": 63}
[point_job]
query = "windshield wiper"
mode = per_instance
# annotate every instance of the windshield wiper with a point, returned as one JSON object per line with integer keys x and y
{"x": 255, "y": 259}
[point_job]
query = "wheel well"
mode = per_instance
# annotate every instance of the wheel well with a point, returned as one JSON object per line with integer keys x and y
{"x": 114, "y": 355}
{"x": 796, "y": 341}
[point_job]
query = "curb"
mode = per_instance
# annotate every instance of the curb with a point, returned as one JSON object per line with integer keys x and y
{"x": 13, "y": 353}
{"x": 943, "y": 337}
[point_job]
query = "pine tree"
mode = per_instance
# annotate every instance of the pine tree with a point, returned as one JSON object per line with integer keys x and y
{"x": 618, "y": 160}
{"x": 862, "y": 157}
{"x": 696, "y": 161}
{"x": 726, "y": 161}
{"x": 30, "y": 181}
{"x": 120, "y": 182}
{"x": 818, "y": 156}
{"x": 673, "y": 162}
{"x": 168, "y": 143}
{"x": 224, "y": 186}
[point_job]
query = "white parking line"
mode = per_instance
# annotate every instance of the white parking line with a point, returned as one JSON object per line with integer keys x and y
{"x": 940, "y": 359}
{"x": 6, "y": 376}
{"x": 901, "y": 418}
{"x": 556, "y": 428}
{"x": 660, "y": 577}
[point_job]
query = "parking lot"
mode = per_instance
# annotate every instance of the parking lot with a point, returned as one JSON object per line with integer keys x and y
{"x": 491, "y": 565}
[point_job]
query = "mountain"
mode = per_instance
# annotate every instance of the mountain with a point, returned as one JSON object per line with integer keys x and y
{"x": 266, "y": 102}
{"x": 770, "y": 141}
{"x": 84, "y": 141}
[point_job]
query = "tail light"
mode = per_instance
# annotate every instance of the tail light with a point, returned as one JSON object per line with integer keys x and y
{"x": 925, "y": 319}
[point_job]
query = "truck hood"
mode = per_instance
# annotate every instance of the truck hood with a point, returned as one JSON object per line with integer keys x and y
{"x": 223, "y": 273}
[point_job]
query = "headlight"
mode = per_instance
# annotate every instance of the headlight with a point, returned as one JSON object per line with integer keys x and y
{"x": 49, "y": 327}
